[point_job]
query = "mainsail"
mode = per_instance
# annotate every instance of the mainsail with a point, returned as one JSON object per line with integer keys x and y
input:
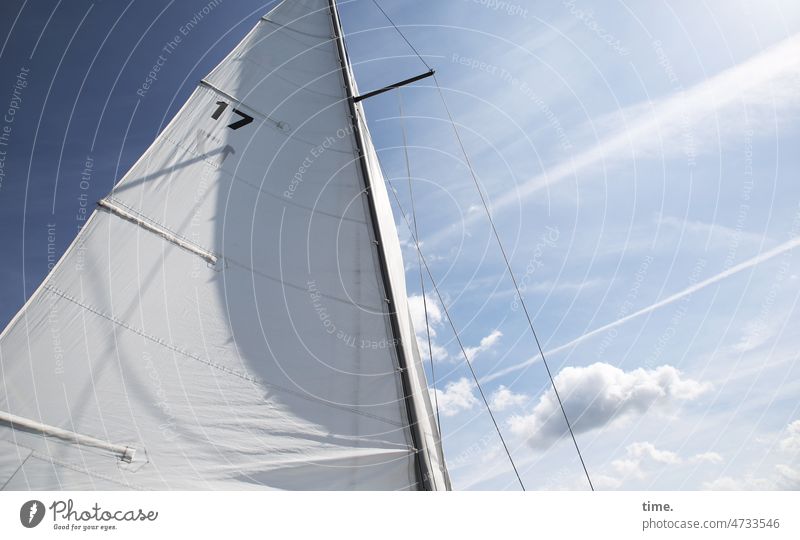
{"x": 233, "y": 315}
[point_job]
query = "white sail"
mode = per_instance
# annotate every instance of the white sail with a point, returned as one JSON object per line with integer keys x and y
{"x": 221, "y": 321}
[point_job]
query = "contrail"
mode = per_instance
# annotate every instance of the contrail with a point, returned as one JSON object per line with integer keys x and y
{"x": 764, "y": 81}
{"x": 758, "y": 259}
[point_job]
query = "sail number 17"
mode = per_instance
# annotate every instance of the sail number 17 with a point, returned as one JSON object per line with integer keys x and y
{"x": 221, "y": 106}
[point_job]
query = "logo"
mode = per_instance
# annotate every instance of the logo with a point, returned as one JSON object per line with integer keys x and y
{"x": 31, "y": 513}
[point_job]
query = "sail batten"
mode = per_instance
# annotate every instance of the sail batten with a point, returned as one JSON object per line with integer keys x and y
{"x": 155, "y": 228}
{"x": 223, "y": 311}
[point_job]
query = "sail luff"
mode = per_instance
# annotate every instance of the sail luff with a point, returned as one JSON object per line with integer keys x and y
{"x": 422, "y": 468}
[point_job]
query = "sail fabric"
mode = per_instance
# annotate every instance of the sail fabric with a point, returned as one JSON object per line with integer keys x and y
{"x": 222, "y": 313}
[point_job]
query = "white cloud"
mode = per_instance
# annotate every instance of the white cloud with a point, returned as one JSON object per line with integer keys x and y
{"x": 782, "y": 475}
{"x": 486, "y": 343}
{"x": 755, "y": 334}
{"x": 646, "y": 450}
{"x": 439, "y": 352}
{"x": 503, "y": 398}
{"x": 416, "y": 306}
{"x": 727, "y": 483}
{"x": 599, "y": 395}
{"x": 600, "y": 481}
{"x": 788, "y": 477}
{"x": 791, "y": 443}
{"x": 641, "y": 454}
{"x": 457, "y": 396}
{"x": 707, "y": 457}
{"x": 642, "y": 457}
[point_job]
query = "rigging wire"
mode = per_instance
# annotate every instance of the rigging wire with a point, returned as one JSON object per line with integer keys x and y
{"x": 508, "y": 267}
{"x": 457, "y": 336}
{"x": 402, "y": 35}
{"x": 419, "y": 262}
{"x": 514, "y": 281}
{"x": 421, "y": 257}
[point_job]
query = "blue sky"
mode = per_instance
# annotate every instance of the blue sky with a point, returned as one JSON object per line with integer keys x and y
{"x": 640, "y": 161}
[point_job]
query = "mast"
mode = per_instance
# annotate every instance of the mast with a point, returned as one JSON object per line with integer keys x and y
{"x": 422, "y": 466}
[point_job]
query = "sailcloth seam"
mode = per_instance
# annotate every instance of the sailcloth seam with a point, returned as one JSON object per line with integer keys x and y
{"x": 216, "y": 164}
{"x": 287, "y": 27}
{"x": 234, "y": 262}
{"x": 19, "y": 467}
{"x": 306, "y": 87}
{"x": 214, "y": 365}
{"x": 83, "y": 470}
{"x": 258, "y": 188}
{"x": 35, "y": 454}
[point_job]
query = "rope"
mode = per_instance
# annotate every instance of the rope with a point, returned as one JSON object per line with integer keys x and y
{"x": 458, "y": 338}
{"x": 419, "y": 262}
{"x": 514, "y": 281}
{"x": 402, "y": 35}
